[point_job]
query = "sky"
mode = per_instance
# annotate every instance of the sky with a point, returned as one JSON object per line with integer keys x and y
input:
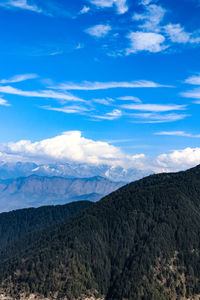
{"x": 101, "y": 81}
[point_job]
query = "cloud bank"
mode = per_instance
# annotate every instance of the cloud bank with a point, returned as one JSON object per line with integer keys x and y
{"x": 72, "y": 147}
{"x": 179, "y": 159}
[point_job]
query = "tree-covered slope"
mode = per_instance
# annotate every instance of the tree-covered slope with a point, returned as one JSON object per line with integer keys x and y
{"x": 140, "y": 242}
{"x": 18, "y": 223}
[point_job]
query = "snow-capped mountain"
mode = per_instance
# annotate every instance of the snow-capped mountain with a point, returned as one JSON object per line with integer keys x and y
{"x": 69, "y": 170}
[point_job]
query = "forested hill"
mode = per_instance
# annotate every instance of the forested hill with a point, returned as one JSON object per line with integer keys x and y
{"x": 138, "y": 243}
{"x": 18, "y": 223}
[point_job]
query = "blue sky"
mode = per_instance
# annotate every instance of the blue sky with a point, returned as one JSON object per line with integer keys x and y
{"x": 126, "y": 73}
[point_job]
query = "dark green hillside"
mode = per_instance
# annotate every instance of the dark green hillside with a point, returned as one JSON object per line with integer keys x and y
{"x": 15, "y": 224}
{"x": 141, "y": 242}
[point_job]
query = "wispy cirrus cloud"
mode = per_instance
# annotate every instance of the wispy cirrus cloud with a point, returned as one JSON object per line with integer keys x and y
{"x": 156, "y": 115}
{"x": 18, "y": 78}
{"x": 194, "y": 94}
{"x": 115, "y": 114}
{"x": 197, "y": 102}
{"x": 107, "y": 101}
{"x": 98, "y": 31}
{"x": 154, "y": 107}
{"x": 87, "y": 85}
{"x": 121, "y": 5}
{"x": 20, "y": 4}
{"x": 194, "y": 80}
{"x": 39, "y": 94}
{"x": 130, "y": 98}
{"x": 178, "y": 133}
{"x": 49, "y": 8}
{"x": 73, "y": 109}
{"x": 156, "y": 118}
{"x": 4, "y": 102}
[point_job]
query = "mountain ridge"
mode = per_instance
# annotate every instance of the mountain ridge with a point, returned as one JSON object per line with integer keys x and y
{"x": 37, "y": 190}
{"x": 140, "y": 242}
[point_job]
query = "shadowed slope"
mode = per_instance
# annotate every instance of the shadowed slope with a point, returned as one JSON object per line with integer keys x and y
{"x": 140, "y": 242}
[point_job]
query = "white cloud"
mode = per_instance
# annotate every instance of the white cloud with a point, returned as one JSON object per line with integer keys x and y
{"x": 145, "y": 41}
{"x": 130, "y": 98}
{"x": 151, "y": 18}
{"x": 145, "y": 2}
{"x": 84, "y": 10}
{"x": 155, "y": 118}
{"x": 73, "y": 109}
{"x": 49, "y": 8}
{"x": 20, "y": 4}
{"x": 79, "y": 46}
{"x": 102, "y": 3}
{"x": 98, "y": 31}
{"x": 179, "y": 159}
{"x": 178, "y": 133}
{"x": 106, "y": 101}
{"x": 72, "y": 147}
{"x": 115, "y": 114}
{"x": 195, "y": 94}
{"x": 18, "y": 78}
{"x": 194, "y": 80}
{"x": 87, "y": 85}
{"x": 39, "y": 94}
{"x": 121, "y": 5}
{"x": 4, "y": 102}
{"x": 54, "y": 53}
{"x": 120, "y": 141}
{"x": 177, "y": 34}
{"x": 154, "y": 107}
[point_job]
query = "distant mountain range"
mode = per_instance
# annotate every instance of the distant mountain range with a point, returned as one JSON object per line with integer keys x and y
{"x": 141, "y": 242}
{"x": 69, "y": 170}
{"x": 34, "y": 191}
